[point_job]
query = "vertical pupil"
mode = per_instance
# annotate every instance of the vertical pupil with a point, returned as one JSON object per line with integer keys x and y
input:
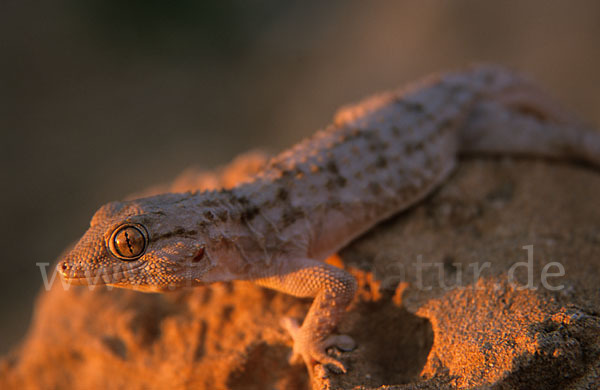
{"x": 129, "y": 242}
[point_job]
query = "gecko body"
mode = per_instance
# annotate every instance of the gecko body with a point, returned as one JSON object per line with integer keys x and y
{"x": 378, "y": 158}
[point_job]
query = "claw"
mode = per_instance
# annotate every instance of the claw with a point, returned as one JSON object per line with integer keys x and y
{"x": 291, "y": 325}
{"x": 293, "y": 328}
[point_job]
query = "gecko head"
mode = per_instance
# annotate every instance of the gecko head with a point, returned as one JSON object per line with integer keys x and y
{"x": 148, "y": 244}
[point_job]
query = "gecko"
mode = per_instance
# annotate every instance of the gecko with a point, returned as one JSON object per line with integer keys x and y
{"x": 379, "y": 157}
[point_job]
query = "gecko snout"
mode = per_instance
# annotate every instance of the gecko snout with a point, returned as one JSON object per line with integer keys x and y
{"x": 69, "y": 273}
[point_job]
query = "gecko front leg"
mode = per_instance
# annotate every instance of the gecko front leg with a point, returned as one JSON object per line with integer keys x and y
{"x": 333, "y": 289}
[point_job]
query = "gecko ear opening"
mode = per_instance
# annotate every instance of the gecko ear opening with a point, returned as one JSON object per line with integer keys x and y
{"x": 128, "y": 242}
{"x": 199, "y": 254}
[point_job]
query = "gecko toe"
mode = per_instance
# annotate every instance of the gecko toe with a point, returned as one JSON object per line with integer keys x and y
{"x": 333, "y": 362}
{"x": 291, "y": 325}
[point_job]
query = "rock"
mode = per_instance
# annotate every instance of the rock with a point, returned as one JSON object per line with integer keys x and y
{"x": 436, "y": 308}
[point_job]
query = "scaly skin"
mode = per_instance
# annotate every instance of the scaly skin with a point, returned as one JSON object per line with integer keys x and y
{"x": 378, "y": 158}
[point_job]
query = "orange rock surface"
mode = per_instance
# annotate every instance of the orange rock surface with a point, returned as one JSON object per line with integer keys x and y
{"x": 437, "y": 326}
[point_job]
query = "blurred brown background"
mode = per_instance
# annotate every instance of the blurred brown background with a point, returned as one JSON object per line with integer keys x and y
{"x": 101, "y": 98}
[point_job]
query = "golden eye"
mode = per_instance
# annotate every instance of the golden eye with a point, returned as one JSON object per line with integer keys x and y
{"x": 128, "y": 242}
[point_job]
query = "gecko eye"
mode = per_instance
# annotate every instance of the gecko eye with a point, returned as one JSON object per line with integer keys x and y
{"x": 128, "y": 242}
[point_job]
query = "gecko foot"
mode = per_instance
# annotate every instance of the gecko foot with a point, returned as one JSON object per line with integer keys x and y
{"x": 311, "y": 350}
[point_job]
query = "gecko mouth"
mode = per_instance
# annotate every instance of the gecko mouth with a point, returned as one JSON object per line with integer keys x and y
{"x": 104, "y": 275}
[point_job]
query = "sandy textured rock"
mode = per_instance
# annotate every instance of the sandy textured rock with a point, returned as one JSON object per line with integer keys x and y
{"x": 415, "y": 330}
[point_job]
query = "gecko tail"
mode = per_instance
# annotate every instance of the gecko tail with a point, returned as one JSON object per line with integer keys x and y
{"x": 525, "y": 121}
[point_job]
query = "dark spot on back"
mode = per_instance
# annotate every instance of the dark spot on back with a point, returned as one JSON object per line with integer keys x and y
{"x": 249, "y": 212}
{"x": 414, "y": 106}
{"x": 340, "y": 181}
{"x": 355, "y": 133}
{"x": 375, "y": 188}
{"x": 210, "y": 203}
{"x": 413, "y": 147}
{"x": 330, "y": 185}
{"x": 446, "y": 124}
{"x": 366, "y": 134}
{"x": 333, "y": 204}
{"x": 209, "y": 215}
{"x": 332, "y": 167}
{"x": 299, "y": 173}
{"x": 222, "y": 215}
{"x": 225, "y": 191}
{"x": 282, "y": 194}
{"x": 243, "y": 200}
{"x": 381, "y": 162}
{"x": 291, "y": 215}
{"x": 177, "y": 232}
{"x": 286, "y": 173}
